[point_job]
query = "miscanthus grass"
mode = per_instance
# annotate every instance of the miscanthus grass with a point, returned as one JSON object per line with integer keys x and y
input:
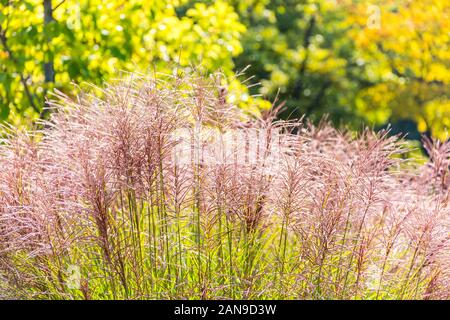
{"x": 159, "y": 188}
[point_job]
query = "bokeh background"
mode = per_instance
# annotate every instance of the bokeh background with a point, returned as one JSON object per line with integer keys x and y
{"x": 361, "y": 62}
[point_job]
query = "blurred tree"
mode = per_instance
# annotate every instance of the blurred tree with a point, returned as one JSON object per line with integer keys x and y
{"x": 405, "y": 48}
{"x": 373, "y": 61}
{"x": 47, "y": 44}
{"x": 302, "y": 49}
{"x": 380, "y": 61}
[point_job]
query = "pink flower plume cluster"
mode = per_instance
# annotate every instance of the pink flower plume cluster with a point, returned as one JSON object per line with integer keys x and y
{"x": 155, "y": 179}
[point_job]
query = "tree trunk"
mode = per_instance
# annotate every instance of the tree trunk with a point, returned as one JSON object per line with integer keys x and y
{"x": 49, "y": 70}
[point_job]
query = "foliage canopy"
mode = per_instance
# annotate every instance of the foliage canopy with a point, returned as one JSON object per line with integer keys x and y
{"x": 359, "y": 61}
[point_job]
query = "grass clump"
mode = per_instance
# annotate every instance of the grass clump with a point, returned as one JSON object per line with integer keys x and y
{"x": 158, "y": 188}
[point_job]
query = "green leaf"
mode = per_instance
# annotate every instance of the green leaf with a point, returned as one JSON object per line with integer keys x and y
{"x": 30, "y": 6}
{"x": 4, "y": 110}
{"x": 73, "y": 68}
{"x": 116, "y": 52}
{"x": 52, "y": 29}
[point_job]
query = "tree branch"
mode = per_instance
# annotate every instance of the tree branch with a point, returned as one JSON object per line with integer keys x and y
{"x": 58, "y": 5}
